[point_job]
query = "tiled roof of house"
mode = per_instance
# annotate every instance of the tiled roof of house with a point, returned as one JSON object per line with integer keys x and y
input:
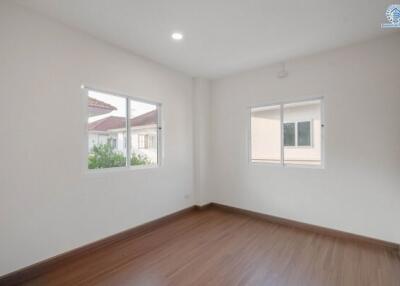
{"x": 105, "y": 124}
{"x": 94, "y": 103}
{"x": 145, "y": 119}
{"x": 116, "y": 122}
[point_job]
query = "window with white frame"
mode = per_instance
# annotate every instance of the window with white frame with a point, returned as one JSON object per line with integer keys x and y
{"x": 119, "y": 129}
{"x": 287, "y": 133}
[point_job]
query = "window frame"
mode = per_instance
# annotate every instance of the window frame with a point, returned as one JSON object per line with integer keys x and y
{"x": 85, "y": 93}
{"x": 282, "y": 121}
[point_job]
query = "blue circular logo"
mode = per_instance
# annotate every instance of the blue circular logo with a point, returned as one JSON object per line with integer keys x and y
{"x": 393, "y": 14}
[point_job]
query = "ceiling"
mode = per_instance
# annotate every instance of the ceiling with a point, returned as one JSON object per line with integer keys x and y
{"x": 221, "y": 36}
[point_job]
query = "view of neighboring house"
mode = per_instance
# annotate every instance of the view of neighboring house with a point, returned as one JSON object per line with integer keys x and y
{"x": 301, "y": 133}
{"x": 112, "y": 130}
{"x": 97, "y": 107}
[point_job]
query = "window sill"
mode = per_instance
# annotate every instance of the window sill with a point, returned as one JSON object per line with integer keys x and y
{"x": 121, "y": 169}
{"x": 299, "y": 147}
{"x": 280, "y": 165}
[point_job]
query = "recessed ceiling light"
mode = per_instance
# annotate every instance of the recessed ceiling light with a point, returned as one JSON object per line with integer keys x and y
{"x": 177, "y": 36}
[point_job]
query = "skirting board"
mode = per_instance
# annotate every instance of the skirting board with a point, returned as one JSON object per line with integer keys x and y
{"x": 37, "y": 269}
{"x": 30, "y": 272}
{"x": 309, "y": 227}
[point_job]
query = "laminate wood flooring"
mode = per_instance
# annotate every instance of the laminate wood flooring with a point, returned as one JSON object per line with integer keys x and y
{"x": 215, "y": 247}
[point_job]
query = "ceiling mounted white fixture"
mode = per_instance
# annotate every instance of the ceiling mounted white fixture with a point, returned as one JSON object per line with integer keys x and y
{"x": 177, "y": 36}
{"x": 283, "y": 73}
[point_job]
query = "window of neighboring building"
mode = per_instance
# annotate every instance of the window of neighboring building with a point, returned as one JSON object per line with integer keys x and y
{"x": 287, "y": 134}
{"x": 297, "y": 134}
{"x": 143, "y": 141}
{"x": 113, "y": 140}
{"x": 147, "y": 141}
{"x": 152, "y": 141}
{"x": 304, "y": 133}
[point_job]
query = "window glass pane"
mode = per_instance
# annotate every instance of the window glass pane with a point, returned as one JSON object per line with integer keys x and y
{"x": 307, "y": 114}
{"x": 304, "y": 133}
{"x": 289, "y": 134}
{"x": 144, "y": 133}
{"x": 266, "y": 134}
{"x": 106, "y": 130}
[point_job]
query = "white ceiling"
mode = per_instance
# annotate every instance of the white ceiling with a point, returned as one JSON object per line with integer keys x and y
{"x": 221, "y": 36}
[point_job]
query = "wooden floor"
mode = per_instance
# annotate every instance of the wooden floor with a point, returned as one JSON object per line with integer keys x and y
{"x": 214, "y": 247}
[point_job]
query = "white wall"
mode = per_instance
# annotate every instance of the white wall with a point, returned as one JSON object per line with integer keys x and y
{"x": 48, "y": 205}
{"x": 358, "y": 191}
{"x": 202, "y": 127}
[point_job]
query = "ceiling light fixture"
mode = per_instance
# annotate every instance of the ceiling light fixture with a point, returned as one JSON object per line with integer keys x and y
{"x": 177, "y": 36}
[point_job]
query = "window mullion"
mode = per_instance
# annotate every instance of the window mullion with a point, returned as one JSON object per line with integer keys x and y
{"x": 282, "y": 137}
{"x": 128, "y": 132}
{"x": 159, "y": 135}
